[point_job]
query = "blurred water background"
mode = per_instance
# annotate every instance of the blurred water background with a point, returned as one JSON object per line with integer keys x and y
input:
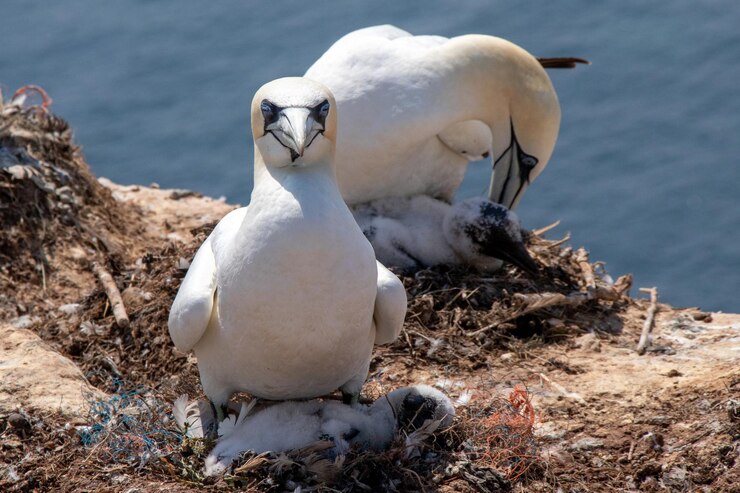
{"x": 645, "y": 173}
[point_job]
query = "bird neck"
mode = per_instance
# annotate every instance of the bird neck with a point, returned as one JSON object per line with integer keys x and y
{"x": 506, "y": 86}
{"x": 301, "y": 182}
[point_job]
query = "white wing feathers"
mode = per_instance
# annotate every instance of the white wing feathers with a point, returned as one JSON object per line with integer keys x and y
{"x": 193, "y": 304}
{"x": 390, "y": 306}
{"x": 191, "y": 311}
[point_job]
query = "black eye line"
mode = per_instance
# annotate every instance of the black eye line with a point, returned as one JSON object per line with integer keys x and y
{"x": 320, "y": 132}
{"x": 274, "y": 109}
{"x": 293, "y": 155}
{"x": 316, "y": 113}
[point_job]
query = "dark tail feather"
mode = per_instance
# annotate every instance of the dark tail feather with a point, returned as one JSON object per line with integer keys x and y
{"x": 562, "y": 62}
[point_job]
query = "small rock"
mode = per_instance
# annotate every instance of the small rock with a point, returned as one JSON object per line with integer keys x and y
{"x": 655, "y": 440}
{"x": 19, "y": 422}
{"x": 23, "y": 322}
{"x": 674, "y": 373}
{"x": 506, "y": 356}
{"x": 133, "y": 298}
{"x": 119, "y": 479}
{"x": 77, "y": 253}
{"x": 675, "y": 478}
{"x": 174, "y": 236}
{"x": 118, "y": 196}
{"x": 648, "y": 472}
{"x": 588, "y": 342}
{"x": 549, "y": 431}
{"x": 598, "y": 462}
{"x": 178, "y": 194}
{"x": 702, "y": 316}
{"x": 658, "y": 420}
{"x": 733, "y": 409}
{"x": 586, "y": 443}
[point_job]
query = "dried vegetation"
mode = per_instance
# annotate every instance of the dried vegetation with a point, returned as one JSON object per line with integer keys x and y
{"x": 59, "y": 221}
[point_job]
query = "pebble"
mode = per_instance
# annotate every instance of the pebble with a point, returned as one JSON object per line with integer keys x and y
{"x": 18, "y": 421}
{"x": 586, "y": 443}
{"x": 549, "y": 431}
{"x": 588, "y": 342}
{"x": 23, "y": 322}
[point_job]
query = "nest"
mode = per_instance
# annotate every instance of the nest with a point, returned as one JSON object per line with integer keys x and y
{"x": 457, "y": 314}
{"x": 457, "y": 319}
{"x": 49, "y": 199}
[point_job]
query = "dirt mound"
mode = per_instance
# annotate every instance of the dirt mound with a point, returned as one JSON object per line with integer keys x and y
{"x": 54, "y": 210}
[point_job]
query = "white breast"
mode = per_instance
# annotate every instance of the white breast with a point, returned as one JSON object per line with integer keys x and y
{"x": 296, "y": 289}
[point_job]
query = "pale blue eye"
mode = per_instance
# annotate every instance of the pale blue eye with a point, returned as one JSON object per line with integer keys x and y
{"x": 266, "y": 108}
{"x": 324, "y": 109}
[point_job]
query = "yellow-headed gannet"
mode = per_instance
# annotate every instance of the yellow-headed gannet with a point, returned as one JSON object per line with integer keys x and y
{"x": 284, "y": 300}
{"x": 417, "y": 109}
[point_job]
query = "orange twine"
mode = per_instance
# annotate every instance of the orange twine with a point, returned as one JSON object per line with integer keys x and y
{"x": 509, "y": 435}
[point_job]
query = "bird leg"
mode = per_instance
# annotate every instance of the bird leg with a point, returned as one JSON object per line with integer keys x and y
{"x": 219, "y": 413}
{"x": 351, "y": 398}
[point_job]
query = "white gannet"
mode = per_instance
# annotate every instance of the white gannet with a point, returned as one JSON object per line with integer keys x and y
{"x": 292, "y": 425}
{"x": 420, "y": 231}
{"x": 444, "y": 102}
{"x": 284, "y": 300}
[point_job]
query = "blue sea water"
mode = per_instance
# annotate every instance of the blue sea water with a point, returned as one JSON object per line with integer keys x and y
{"x": 646, "y": 173}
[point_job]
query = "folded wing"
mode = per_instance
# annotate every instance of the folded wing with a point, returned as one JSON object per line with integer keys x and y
{"x": 193, "y": 304}
{"x": 390, "y": 306}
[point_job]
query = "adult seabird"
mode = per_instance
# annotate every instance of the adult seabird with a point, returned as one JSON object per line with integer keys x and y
{"x": 284, "y": 300}
{"x": 444, "y": 102}
{"x": 292, "y": 425}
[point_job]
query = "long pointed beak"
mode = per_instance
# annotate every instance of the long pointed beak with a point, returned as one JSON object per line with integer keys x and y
{"x": 507, "y": 186}
{"x": 295, "y": 125}
{"x": 515, "y": 253}
{"x": 511, "y": 174}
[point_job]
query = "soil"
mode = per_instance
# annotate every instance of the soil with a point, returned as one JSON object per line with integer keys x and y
{"x": 551, "y": 394}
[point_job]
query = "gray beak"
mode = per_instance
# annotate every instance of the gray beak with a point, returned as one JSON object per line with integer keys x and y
{"x": 511, "y": 172}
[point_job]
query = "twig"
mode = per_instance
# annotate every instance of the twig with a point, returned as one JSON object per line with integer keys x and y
{"x": 586, "y": 269}
{"x": 557, "y": 243}
{"x": 537, "y": 301}
{"x": 649, "y": 320}
{"x": 43, "y": 277}
{"x": 541, "y": 231}
{"x": 114, "y": 295}
{"x": 561, "y": 390}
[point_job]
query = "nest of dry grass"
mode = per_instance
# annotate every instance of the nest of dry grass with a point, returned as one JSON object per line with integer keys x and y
{"x": 457, "y": 319}
{"x": 54, "y": 196}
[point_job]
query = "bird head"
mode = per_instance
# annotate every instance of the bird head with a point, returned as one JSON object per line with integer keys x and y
{"x": 483, "y": 232}
{"x": 294, "y": 123}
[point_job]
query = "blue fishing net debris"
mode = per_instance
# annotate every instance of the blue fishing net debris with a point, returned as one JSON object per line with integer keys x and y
{"x": 132, "y": 427}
